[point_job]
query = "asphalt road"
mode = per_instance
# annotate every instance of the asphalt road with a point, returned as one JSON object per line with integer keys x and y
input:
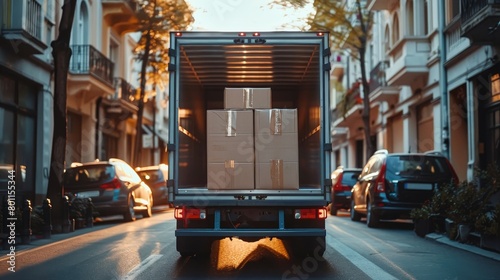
{"x": 145, "y": 249}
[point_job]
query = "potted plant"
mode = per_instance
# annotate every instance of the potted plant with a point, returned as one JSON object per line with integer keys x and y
{"x": 77, "y": 211}
{"x": 488, "y": 225}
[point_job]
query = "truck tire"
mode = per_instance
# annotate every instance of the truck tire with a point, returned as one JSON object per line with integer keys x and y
{"x": 355, "y": 216}
{"x": 191, "y": 246}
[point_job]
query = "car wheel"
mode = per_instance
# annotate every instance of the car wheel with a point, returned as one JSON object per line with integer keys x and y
{"x": 355, "y": 216}
{"x": 129, "y": 215}
{"x": 371, "y": 217}
{"x": 149, "y": 211}
{"x": 333, "y": 210}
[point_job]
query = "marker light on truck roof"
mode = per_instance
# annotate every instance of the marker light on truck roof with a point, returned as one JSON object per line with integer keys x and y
{"x": 178, "y": 34}
{"x": 256, "y": 34}
{"x": 320, "y": 34}
{"x": 242, "y": 34}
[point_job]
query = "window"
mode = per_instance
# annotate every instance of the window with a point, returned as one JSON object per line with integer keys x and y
{"x": 452, "y": 10}
{"x": 395, "y": 29}
{"x": 387, "y": 39}
{"x": 17, "y": 131}
{"x": 410, "y": 30}
{"x": 495, "y": 87}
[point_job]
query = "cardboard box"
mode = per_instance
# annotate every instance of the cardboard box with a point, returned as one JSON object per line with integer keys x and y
{"x": 230, "y": 149}
{"x": 276, "y": 149}
{"x": 247, "y": 98}
{"x": 230, "y": 175}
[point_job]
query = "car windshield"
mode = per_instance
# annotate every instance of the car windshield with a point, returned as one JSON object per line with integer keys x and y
{"x": 414, "y": 165}
{"x": 83, "y": 175}
{"x": 149, "y": 175}
{"x": 350, "y": 178}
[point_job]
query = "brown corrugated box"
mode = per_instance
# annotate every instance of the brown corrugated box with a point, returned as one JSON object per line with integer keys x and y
{"x": 276, "y": 149}
{"x": 230, "y": 149}
{"x": 247, "y": 98}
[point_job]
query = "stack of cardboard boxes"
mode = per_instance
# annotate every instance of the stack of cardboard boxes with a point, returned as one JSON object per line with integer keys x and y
{"x": 251, "y": 145}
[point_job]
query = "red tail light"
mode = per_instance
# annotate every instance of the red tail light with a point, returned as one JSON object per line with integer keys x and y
{"x": 313, "y": 213}
{"x": 189, "y": 213}
{"x": 341, "y": 188}
{"x": 380, "y": 182}
{"x": 114, "y": 184}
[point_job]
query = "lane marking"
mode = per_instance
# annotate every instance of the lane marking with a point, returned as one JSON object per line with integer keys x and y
{"x": 136, "y": 271}
{"x": 369, "y": 268}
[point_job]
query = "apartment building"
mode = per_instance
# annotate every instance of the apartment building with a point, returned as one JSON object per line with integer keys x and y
{"x": 432, "y": 83}
{"x": 101, "y": 92}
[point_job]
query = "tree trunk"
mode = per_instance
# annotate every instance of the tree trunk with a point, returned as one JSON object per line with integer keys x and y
{"x": 366, "y": 105}
{"x": 61, "y": 53}
{"x": 140, "y": 111}
{"x": 366, "y": 87}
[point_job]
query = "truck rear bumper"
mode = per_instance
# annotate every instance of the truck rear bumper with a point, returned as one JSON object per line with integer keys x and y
{"x": 251, "y": 232}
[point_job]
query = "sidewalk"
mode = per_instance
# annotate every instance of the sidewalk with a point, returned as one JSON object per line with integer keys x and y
{"x": 467, "y": 247}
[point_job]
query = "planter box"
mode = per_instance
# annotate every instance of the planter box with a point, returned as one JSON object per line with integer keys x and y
{"x": 422, "y": 227}
{"x": 490, "y": 242}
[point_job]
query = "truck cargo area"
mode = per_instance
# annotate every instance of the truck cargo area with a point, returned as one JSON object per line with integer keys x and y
{"x": 291, "y": 67}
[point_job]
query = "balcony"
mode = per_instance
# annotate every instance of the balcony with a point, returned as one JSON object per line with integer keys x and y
{"x": 480, "y": 20}
{"x": 338, "y": 65}
{"x": 408, "y": 62}
{"x": 22, "y": 26}
{"x": 90, "y": 72}
{"x": 123, "y": 103}
{"x": 379, "y": 5}
{"x": 348, "y": 111}
{"x": 379, "y": 90}
{"x": 121, "y": 15}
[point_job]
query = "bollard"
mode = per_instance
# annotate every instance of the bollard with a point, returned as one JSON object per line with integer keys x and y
{"x": 4, "y": 229}
{"x": 89, "y": 213}
{"x": 66, "y": 223}
{"x": 26, "y": 218}
{"x": 47, "y": 220}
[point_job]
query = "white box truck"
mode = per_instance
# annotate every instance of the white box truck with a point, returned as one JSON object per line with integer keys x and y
{"x": 249, "y": 172}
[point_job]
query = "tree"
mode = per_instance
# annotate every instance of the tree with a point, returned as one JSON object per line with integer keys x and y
{"x": 156, "y": 19}
{"x": 61, "y": 52}
{"x": 348, "y": 26}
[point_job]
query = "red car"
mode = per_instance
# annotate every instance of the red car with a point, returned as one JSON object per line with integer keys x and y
{"x": 342, "y": 181}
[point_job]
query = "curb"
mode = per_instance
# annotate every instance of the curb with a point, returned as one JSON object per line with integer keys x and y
{"x": 466, "y": 247}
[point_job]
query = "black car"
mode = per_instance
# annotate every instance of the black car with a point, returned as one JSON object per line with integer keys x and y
{"x": 114, "y": 187}
{"x": 343, "y": 179}
{"x": 156, "y": 177}
{"x": 391, "y": 185}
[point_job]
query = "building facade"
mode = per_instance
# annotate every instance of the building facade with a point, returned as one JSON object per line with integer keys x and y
{"x": 432, "y": 86}
{"x": 101, "y": 93}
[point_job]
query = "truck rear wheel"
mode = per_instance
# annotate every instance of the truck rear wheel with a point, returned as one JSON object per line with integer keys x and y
{"x": 190, "y": 246}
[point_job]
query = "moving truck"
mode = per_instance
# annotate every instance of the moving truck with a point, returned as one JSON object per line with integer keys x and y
{"x": 249, "y": 138}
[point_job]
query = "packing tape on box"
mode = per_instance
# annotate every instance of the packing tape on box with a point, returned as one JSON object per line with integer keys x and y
{"x": 231, "y": 123}
{"x": 277, "y": 173}
{"x": 248, "y": 97}
{"x": 229, "y": 168}
{"x": 276, "y": 121}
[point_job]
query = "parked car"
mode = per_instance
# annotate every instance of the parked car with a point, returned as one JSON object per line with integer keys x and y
{"x": 343, "y": 179}
{"x": 156, "y": 178}
{"x": 114, "y": 187}
{"x": 391, "y": 185}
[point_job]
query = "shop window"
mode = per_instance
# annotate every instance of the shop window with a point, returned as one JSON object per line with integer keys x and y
{"x": 495, "y": 87}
